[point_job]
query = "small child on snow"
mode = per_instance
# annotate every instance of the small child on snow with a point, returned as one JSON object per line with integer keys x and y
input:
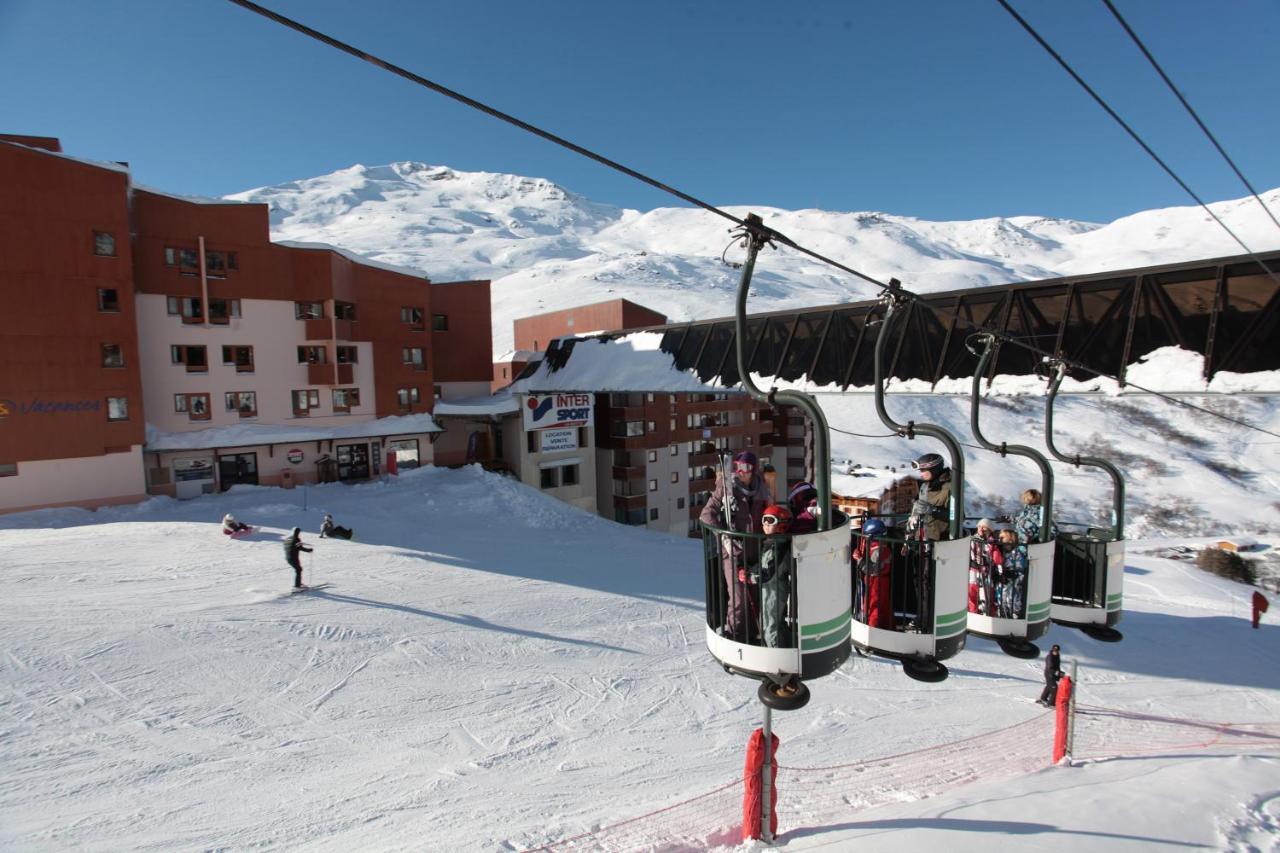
{"x": 329, "y": 530}
{"x": 230, "y": 525}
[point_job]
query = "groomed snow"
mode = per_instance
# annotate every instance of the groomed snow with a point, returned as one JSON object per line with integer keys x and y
{"x": 493, "y": 670}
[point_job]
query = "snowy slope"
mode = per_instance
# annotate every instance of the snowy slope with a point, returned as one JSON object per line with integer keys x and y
{"x": 459, "y": 690}
{"x": 546, "y": 248}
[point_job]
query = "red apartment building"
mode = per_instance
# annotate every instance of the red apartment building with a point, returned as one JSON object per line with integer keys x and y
{"x": 256, "y": 362}
{"x": 534, "y": 333}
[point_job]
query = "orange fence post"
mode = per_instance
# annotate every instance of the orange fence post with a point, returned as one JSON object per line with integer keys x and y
{"x": 1061, "y": 718}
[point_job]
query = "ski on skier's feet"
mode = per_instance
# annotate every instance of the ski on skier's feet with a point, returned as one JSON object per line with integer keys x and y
{"x": 304, "y": 588}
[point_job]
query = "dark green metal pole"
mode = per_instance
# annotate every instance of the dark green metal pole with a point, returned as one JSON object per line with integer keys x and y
{"x": 757, "y": 236}
{"x": 1117, "y": 478}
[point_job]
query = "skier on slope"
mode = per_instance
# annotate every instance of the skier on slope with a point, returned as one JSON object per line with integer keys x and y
{"x": 741, "y": 502}
{"x": 292, "y": 546}
{"x": 1052, "y": 672}
{"x": 329, "y": 530}
{"x": 230, "y": 525}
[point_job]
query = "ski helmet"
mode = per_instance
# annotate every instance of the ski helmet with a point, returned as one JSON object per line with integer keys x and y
{"x": 802, "y": 495}
{"x": 297, "y": 530}
{"x": 778, "y": 512}
{"x": 873, "y": 527}
{"x": 930, "y": 462}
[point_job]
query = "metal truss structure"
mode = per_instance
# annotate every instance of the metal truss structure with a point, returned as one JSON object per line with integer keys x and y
{"x": 1227, "y": 309}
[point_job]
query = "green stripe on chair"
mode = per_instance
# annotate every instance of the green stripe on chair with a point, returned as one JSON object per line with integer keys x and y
{"x": 834, "y": 638}
{"x": 827, "y": 626}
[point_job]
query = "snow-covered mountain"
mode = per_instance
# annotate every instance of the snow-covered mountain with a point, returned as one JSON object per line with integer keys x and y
{"x": 546, "y": 248}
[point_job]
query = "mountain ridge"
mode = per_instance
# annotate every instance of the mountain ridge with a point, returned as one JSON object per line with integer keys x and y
{"x": 547, "y": 248}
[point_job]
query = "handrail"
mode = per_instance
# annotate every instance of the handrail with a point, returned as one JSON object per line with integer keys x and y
{"x": 1117, "y": 478}
{"x": 910, "y": 429}
{"x": 1046, "y": 472}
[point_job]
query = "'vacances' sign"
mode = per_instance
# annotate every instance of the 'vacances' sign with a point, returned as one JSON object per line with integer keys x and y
{"x": 37, "y": 406}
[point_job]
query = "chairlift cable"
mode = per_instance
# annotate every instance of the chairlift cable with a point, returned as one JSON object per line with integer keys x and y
{"x": 1172, "y": 88}
{"x": 891, "y": 287}
{"x": 1132, "y": 133}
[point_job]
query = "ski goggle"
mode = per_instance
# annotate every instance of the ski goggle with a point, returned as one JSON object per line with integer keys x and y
{"x": 774, "y": 519}
{"x": 743, "y": 468}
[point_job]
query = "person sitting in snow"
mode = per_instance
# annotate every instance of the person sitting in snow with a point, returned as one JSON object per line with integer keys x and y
{"x": 292, "y": 547}
{"x": 329, "y": 530}
{"x": 230, "y": 525}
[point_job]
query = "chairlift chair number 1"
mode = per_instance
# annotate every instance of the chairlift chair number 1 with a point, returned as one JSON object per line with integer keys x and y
{"x": 1088, "y": 574}
{"x": 940, "y": 568}
{"x": 808, "y": 623}
{"x": 1014, "y": 632}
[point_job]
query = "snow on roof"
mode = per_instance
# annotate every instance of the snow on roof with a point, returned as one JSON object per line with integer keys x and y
{"x": 101, "y": 164}
{"x": 631, "y": 362}
{"x": 244, "y": 435}
{"x": 863, "y": 482}
{"x": 352, "y": 256}
{"x": 501, "y": 403}
{"x": 525, "y": 355}
{"x": 192, "y": 199}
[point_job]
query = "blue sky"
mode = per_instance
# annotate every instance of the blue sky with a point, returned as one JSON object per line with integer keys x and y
{"x": 942, "y": 110}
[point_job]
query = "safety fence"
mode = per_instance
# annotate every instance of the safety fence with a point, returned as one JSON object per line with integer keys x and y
{"x": 812, "y": 797}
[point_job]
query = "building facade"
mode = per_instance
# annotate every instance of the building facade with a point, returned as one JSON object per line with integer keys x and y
{"x": 536, "y": 332}
{"x": 172, "y": 348}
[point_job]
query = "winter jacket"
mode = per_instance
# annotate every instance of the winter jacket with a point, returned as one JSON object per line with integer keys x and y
{"x": 1052, "y": 667}
{"x": 804, "y": 522}
{"x": 746, "y": 506}
{"x": 1027, "y": 524}
{"x": 292, "y": 545}
{"x": 986, "y": 563}
{"x": 932, "y": 508}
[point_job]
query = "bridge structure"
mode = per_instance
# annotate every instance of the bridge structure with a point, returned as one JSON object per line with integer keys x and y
{"x": 1226, "y": 309}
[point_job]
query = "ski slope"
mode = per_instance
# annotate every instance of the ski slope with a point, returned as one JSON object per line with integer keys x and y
{"x": 494, "y": 670}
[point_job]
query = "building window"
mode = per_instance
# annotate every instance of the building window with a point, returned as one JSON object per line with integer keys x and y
{"x": 308, "y": 310}
{"x": 653, "y": 485}
{"x": 653, "y": 514}
{"x": 407, "y": 397}
{"x": 195, "y": 405}
{"x": 304, "y": 402}
{"x": 649, "y": 397}
{"x": 569, "y": 475}
{"x": 347, "y": 355}
{"x": 633, "y": 428}
{"x": 413, "y": 355}
{"x": 311, "y": 355}
{"x": 549, "y": 478}
{"x": 653, "y": 456}
{"x": 104, "y": 244}
{"x": 117, "y": 408}
{"x": 440, "y": 322}
{"x": 675, "y": 450}
{"x": 679, "y": 503}
{"x": 108, "y": 300}
{"x": 241, "y": 357}
{"x": 344, "y": 310}
{"x": 673, "y": 424}
{"x": 8, "y": 469}
{"x": 188, "y": 307}
{"x": 170, "y": 256}
{"x": 406, "y": 451}
{"x": 215, "y": 264}
{"x": 345, "y": 399}
{"x": 436, "y": 393}
{"x": 222, "y": 310}
{"x": 675, "y": 476}
{"x": 112, "y": 355}
{"x": 413, "y": 316}
{"x": 195, "y": 358}
{"x": 244, "y": 403}
{"x": 188, "y": 262}
{"x": 652, "y": 426}
{"x": 532, "y": 441}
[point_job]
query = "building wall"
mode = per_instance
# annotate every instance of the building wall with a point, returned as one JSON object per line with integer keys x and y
{"x": 269, "y": 326}
{"x": 464, "y": 351}
{"x": 53, "y": 383}
{"x": 92, "y": 481}
{"x": 533, "y": 333}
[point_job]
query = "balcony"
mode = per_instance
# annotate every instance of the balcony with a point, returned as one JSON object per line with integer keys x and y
{"x": 703, "y": 484}
{"x": 323, "y": 374}
{"x": 326, "y": 329}
{"x": 628, "y": 472}
{"x": 627, "y": 502}
{"x": 697, "y": 460}
{"x": 626, "y": 413}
